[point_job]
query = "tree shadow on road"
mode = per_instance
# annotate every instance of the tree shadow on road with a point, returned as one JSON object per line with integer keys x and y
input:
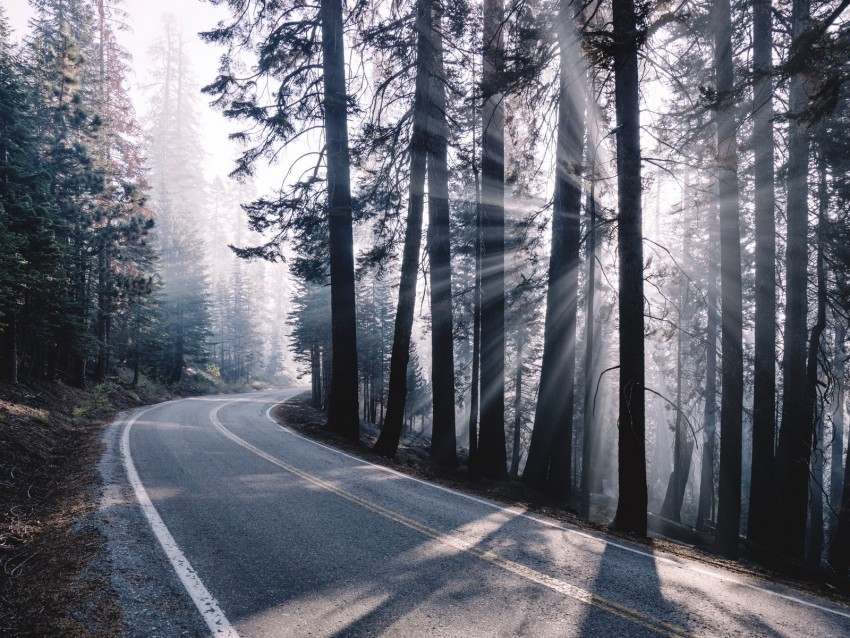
{"x": 630, "y": 600}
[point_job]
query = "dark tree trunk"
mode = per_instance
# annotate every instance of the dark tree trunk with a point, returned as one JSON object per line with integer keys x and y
{"x": 839, "y": 558}
{"x": 443, "y": 436}
{"x": 731, "y": 344}
{"x": 52, "y": 362}
{"x": 836, "y": 466}
{"x": 515, "y": 449}
{"x": 10, "y": 348}
{"x": 795, "y": 436}
{"x": 78, "y": 371}
{"x": 591, "y": 353}
{"x": 814, "y": 549}
{"x": 315, "y": 376}
{"x": 476, "y": 340}
{"x": 632, "y": 504}
{"x": 387, "y": 443}
{"x": 764, "y": 375}
{"x": 815, "y": 414}
{"x": 492, "y": 457}
{"x": 705, "y": 510}
{"x": 327, "y": 357}
{"x": 549, "y": 464}
{"x": 342, "y": 410}
{"x": 683, "y": 446}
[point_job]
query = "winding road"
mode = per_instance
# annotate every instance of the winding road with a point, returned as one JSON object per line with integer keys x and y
{"x": 276, "y": 535}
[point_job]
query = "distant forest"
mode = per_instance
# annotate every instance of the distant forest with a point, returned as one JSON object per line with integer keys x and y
{"x": 113, "y": 243}
{"x": 602, "y": 247}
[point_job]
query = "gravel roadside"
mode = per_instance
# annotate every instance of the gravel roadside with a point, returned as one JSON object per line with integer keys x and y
{"x": 154, "y": 602}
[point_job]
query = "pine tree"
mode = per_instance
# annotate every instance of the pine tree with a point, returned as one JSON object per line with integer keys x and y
{"x": 176, "y": 194}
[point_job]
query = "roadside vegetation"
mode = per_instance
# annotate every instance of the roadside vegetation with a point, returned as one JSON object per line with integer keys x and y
{"x": 49, "y": 448}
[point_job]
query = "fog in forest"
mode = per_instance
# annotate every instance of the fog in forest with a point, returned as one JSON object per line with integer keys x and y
{"x": 617, "y": 272}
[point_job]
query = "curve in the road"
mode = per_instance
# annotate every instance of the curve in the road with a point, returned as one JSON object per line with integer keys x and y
{"x": 204, "y": 601}
{"x": 552, "y": 524}
{"x": 640, "y": 609}
{"x": 658, "y": 626}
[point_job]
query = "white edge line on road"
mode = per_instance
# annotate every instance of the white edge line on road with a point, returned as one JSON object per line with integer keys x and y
{"x": 509, "y": 510}
{"x": 204, "y": 601}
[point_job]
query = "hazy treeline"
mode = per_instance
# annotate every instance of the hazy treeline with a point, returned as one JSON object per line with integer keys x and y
{"x": 114, "y": 242}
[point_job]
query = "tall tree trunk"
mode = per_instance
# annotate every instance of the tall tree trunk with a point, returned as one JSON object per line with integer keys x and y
{"x": 631, "y": 508}
{"x": 327, "y": 358}
{"x": 839, "y": 558}
{"x": 591, "y": 353}
{"x": 814, "y": 549}
{"x": 549, "y": 463}
{"x": 836, "y": 466}
{"x": 705, "y": 510}
{"x": 343, "y": 410}
{"x": 103, "y": 320}
{"x": 443, "y": 435}
{"x": 492, "y": 457}
{"x": 731, "y": 323}
{"x": 315, "y": 378}
{"x": 795, "y": 436}
{"x": 474, "y": 382}
{"x": 764, "y": 374}
{"x": 815, "y": 414}
{"x": 387, "y": 442}
{"x": 683, "y": 446}
{"x": 515, "y": 449}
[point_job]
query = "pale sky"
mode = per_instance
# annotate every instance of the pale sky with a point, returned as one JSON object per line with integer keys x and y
{"x": 145, "y": 17}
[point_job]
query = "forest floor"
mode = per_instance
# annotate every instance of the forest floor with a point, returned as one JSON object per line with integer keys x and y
{"x": 412, "y": 459}
{"x": 50, "y": 549}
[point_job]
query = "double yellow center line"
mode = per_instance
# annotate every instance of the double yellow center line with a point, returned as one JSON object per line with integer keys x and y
{"x": 644, "y": 620}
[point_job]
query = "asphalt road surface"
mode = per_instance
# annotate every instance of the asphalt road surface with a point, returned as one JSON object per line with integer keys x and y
{"x": 275, "y": 535}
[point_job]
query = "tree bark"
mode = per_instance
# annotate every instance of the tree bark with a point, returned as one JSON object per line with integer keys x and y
{"x": 705, "y": 510}
{"x": 474, "y": 382}
{"x": 515, "y": 449}
{"x": 731, "y": 323}
{"x": 443, "y": 435}
{"x": 815, "y": 415}
{"x": 795, "y": 436}
{"x": 836, "y": 466}
{"x": 387, "y": 442}
{"x": 683, "y": 446}
{"x": 492, "y": 457}
{"x": 839, "y": 558}
{"x": 343, "y": 408}
{"x": 549, "y": 464}
{"x": 632, "y": 504}
{"x": 814, "y": 549}
{"x": 761, "y": 506}
{"x": 591, "y": 353}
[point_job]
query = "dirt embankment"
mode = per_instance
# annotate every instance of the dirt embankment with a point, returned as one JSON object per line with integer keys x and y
{"x": 49, "y": 447}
